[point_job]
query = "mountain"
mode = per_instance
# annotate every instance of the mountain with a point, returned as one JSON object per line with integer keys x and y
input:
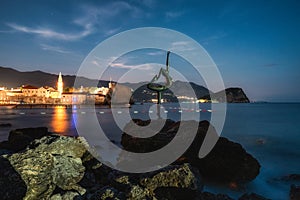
{"x": 142, "y": 93}
{"x": 12, "y": 78}
{"x": 233, "y": 95}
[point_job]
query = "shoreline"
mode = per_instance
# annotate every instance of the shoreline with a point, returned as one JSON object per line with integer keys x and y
{"x": 259, "y": 139}
{"x": 46, "y": 140}
{"x": 41, "y": 136}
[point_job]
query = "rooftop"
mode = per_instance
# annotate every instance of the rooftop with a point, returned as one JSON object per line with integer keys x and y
{"x": 29, "y": 87}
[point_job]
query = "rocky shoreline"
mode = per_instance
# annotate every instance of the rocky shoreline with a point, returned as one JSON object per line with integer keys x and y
{"x": 36, "y": 164}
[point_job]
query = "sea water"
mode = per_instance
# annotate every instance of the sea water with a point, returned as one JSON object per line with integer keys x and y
{"x": 268, "y": 131}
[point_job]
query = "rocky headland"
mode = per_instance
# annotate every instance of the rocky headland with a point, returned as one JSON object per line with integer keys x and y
{"x": 232, "y": 95}
{"x": 36, "y": 164}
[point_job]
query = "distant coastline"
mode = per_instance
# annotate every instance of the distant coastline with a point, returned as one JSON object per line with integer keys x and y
{"x": 12, "y": 78}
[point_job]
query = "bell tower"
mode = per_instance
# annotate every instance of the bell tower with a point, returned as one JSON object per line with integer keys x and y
{"x": 60, "y": 85}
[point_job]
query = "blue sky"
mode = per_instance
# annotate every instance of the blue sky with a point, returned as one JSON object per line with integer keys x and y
{"x": 255, "y": 44}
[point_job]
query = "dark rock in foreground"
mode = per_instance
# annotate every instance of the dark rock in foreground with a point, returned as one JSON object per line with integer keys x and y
{"x": 143, "y": 145}
{"x": 295, "y": 192}
{"x": 291, "y": 177}
{"x": 12, "y": 186}
{"x": 50, "y": 162}
{"x": 210, "y": 196}
{"x": 178, "y": 182}
{"x": 19, "y": 139}
{"x": 5, "y": 125}
{"x": 107, "y": 193}
{"x": 59, "y": 167}
{"x": 227, "y": 162}
{"x": 252, "y": 196}
{"x": 173, "y": 182}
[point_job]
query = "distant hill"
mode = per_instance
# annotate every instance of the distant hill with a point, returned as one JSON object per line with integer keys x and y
{"x": 12, "y": 78}
{"x": 233, "y": 95}
{"x": 142, "y": 93}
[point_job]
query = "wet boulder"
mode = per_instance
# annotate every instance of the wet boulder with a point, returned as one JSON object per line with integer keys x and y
{"x": 19, "y": 139}
{"x": 211, "y": 196}
{"x": 295, "y": 192}
{"x": 69, "y": 195}
{"x": 5, "y": 125}
{"x": 50, "y": 162}
{"x": 227, "y": 162}
{"x": 172, "y": 182}
{"x": 252, "y": 196}
{"x": 12, "y": 185}
{"x": 175, "y": 181}
{"x": 107, "y": 193}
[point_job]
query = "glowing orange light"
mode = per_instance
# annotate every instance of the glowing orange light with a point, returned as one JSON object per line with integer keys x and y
{"x": 60, "y": 120}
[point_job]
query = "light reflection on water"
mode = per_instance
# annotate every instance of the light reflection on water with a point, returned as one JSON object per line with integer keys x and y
{"x": 60, "y": 120}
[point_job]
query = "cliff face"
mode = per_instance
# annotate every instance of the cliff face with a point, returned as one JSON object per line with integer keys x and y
{"x": 236, "y": 95}
{"x": 233, "y": 95}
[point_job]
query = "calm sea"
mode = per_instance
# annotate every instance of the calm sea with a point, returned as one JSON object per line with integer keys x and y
{"x": 270, "y": 132}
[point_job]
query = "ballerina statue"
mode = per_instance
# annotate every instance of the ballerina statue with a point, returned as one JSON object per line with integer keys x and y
{"x": 159, "y": 88}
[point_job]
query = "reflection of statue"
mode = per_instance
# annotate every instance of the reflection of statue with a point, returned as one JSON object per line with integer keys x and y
{"x": 159, "y": 88}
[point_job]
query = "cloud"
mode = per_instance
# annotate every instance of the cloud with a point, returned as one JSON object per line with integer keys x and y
{"x": 95, "y": 14}
{"x": 95, "y": 62}
{"x": 146, "y": 66}
{"x": 214, "y": 37}
{"x": 48, "y": 33}
{"x": 10, "y": 31}
{"x": 182, "y": 46}
{"x": 98, "y": 60}
{"x": 170, "y": 15}
{"x": 146, "y": 3}
{"x": 156, "y": 53}
{"x": 112, "y": 31}
{"x": 179, "y": 43}
{"x": 174, "y": 14}
{"x": 54, "y": 48}
{"x": 107, "y": 18}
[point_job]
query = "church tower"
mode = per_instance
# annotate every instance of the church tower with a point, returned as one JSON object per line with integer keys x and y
{"x": 109, "y": 84}
{"x": 60, "y": 85}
